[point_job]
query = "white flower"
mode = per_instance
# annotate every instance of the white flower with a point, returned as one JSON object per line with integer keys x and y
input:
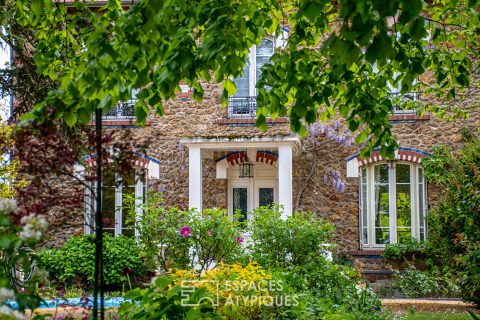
{"x": 33, "y": 227}
{"x": 6, "y": 294}
{"x": 8, "y": 205}
{"x": 10, "y": 313}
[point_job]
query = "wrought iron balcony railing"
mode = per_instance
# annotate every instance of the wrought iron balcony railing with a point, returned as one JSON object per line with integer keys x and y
{"x": 242, "y": 107}
{"x": 122, "y": 110}
{"x": 412, "y": 96}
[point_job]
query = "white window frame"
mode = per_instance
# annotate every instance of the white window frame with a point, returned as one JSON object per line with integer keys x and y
{"x": 252, "y": 76}
{"x": 414, "y": 203}
{"x": 91, "y": 202}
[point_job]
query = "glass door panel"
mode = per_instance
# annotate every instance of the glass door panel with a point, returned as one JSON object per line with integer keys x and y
{"x": 240, "y": 203}
{"x": 265, "y": 196}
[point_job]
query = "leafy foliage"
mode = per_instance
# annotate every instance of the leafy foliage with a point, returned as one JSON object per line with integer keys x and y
{"x": 413, "y": 283}
{"x": 295, "y": 241}
{"x": 73, "y": 262}
{"x": 8, "y": 167}
{"x": 453, "y": 223}
{"x": 16, "y": 251}
{"x": 403, "y": 251}
{"x": 326, "y": 66}
{"x": 186, "y": 238}
{"x": 161, "y": 301}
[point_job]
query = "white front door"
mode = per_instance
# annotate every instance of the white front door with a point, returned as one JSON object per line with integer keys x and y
{"x": 247, "y": 194}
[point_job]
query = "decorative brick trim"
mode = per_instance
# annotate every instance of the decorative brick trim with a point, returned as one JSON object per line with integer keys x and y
{"x": 251, "y": 121}
{"x": 367, "y": 252}
{"x": 140, "y": 160}
{"x": 267, "y": 157}
{"x": 238, "y": 157}
{"x": 409, "y": 117}
{"x": 405, "y": 154}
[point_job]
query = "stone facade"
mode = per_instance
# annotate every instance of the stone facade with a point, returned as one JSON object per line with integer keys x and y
{"x": 186, "y": 118}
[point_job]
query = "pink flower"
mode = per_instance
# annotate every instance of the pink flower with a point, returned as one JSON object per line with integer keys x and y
{"x": 185, "y": 231}
{"x": 210, "y": 233}
{"x": 239, "y": 239}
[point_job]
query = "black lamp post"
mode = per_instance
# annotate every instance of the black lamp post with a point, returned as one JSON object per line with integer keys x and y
{"x": 98, "y": 273}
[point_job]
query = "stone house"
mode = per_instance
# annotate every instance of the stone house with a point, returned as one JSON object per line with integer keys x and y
{"x": 203, "y": 155}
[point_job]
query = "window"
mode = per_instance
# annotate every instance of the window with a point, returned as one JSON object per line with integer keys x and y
{"x": 115, "y": 186}
{"x": 124, "y": 109}
{"x": 392, "y": 203}
{"x": 243, "y": 103}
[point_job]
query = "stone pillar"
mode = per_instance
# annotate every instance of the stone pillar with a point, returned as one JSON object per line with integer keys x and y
{"x": 285, "y": 179}
{"x": 195, "y": 178}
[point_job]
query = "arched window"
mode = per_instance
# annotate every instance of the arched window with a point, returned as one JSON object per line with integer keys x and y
{"x": 392, "y": 203}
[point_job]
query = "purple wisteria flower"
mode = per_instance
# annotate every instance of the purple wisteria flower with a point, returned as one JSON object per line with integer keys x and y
{"x": 210, "y": 233}
{"x": 185, "y": 231}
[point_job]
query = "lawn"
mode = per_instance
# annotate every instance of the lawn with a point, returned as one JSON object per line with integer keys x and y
{"x": 432, "y": 316}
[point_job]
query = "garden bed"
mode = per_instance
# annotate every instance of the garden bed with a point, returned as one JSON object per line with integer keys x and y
{"x": 426, "y": 305}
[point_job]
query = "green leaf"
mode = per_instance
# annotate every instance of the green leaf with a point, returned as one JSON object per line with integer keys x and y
{"x": 230, "y": 86}
{"x": 361, "y": 137}
{"x": 83, "y": 115}
{"x": 71, "y": 118}
{"x": 36, "y": 6}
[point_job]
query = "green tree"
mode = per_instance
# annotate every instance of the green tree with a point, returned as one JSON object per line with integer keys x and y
{"x": 453, "y": 223}
{"x": 325, "y": 69}
{"x": 8, "y": 166}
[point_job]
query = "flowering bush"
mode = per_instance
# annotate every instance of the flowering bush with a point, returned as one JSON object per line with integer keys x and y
{"x": 171, "y": 238}
{"x": 237, "y": 291}
{"x": 16, "y": 252}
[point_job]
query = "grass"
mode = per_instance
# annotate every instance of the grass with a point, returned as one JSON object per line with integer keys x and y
{"x": 432, "y": 316}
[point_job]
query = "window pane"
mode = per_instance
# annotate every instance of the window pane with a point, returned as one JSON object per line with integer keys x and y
{"x": 382, "y": 206}
{"x": 108, "y": 207}
{"x": 382, "y": 222}
{"x": 403, "y": 173}
{"x": 421, "y": 203}
{"x": 263, "y": 53}
{"x": 265, "y": 48}
{"x": 240, "y": 203}
{"x": 403, "y": 202}
{"x": 381, "y": 174}
{"x": 242, "y": 82}
{"x": 364, "y": 206}
{"x": 265, "y": 196}
{"x": 404, "y": 213}
{"x": 128, "y": 177}
{"x": 127, "y": 221}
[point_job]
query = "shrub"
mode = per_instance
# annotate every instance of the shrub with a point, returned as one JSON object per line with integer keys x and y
{"x": 404, "y": 251}
{"x": 413, "y": 283}
{"x": 295, "y": 241}
{"x": 74, "y": 261}
{"x": 453, "y": 223}
{"x": 163, "y": 301}
{"x": 243, "y": 291}
{"x": 170, "y": 238}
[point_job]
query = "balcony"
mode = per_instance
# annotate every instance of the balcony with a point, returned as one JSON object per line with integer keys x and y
{"x": 242, "y": 107}
{"x": 403, "y": 97}
{"x": 122, "y": 111}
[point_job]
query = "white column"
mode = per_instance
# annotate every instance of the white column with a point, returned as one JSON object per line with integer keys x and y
{"x": 195, "y": 178}
{"x": 285, "y": 179}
